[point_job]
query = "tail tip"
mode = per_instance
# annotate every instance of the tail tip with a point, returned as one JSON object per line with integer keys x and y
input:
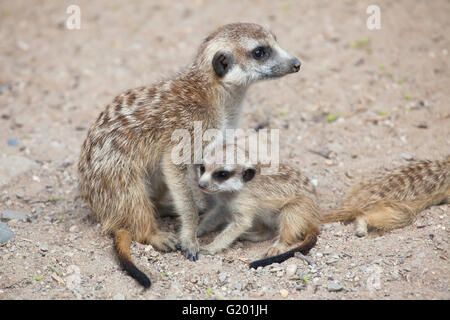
{"x": 146, "y": 283}
{"x": 142, "y": 279}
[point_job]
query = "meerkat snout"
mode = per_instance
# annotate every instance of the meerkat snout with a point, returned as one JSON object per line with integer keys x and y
{"x": 203, "y": 185}
{"x": 296, "y": 64}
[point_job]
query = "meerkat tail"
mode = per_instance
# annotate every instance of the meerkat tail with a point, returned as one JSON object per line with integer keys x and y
{"x": 339, "y": 214}
{"x": 122, "y": 243}
{"x": 307, "y": 244}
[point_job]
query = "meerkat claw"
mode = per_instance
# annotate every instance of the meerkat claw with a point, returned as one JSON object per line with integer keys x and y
{"x": 190, "y": 256}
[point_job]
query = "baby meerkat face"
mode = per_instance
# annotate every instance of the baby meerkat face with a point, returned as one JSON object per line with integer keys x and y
{"x": 227, "y": 178}
{"x": 242, "y": 53}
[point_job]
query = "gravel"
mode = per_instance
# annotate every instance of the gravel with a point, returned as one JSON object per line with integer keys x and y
{"x": 406, "y": 156}
{"x": 5, "y": 233}
{"x": 14, "y": 215}
{"x": 291, "y": 270}
{"x": 14, "y": 166}
{"x": 334, "y": 287}
{"x": 222, "y": 277}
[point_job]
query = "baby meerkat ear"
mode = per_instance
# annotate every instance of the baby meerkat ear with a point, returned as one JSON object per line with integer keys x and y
{"x": 248, "y": 174}
{"x": 222, "y": 63}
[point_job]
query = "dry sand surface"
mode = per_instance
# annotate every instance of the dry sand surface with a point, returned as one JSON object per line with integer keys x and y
{"x": 370, "y": 99}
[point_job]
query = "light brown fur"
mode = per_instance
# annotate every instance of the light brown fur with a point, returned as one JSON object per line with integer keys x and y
{"x": 125, "y": 166}
{"x": 393, "y": 200}
{"x": 280, "y": 205}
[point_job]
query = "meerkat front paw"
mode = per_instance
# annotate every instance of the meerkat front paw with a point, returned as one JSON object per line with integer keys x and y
{"x": 190, "y": 249}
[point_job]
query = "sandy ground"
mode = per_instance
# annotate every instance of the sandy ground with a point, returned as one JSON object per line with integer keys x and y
{"x": 375, "y": 99}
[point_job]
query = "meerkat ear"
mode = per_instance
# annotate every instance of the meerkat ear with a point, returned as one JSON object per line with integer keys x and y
{"x": 248, "y": 174}
{"x": 222, "y": 63}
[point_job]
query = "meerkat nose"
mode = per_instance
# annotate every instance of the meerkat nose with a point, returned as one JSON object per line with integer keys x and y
{"x": 296, "y": 65}
{"x": 202, "y": 185}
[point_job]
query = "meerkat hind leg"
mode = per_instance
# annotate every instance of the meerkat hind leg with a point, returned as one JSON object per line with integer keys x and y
{"x": 259, "y": 232}
{"x": 151, "y": 234}
{"x": 278, "y": 247}
{"x": 295, "y": 219}
{"x": 386, "y": 216}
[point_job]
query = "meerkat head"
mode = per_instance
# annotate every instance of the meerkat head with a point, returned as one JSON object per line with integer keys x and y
{"x": 224, "y": 178}
{"x": 215, "y": 174}
{"x": 241, "y": 53}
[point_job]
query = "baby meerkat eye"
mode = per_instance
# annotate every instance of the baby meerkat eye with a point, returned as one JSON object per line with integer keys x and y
{"x": 261, "y": 53}
{"x": 222, "y": 175}
{"x": 249, "y": 174}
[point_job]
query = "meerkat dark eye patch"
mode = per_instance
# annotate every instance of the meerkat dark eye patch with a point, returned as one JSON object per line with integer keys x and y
{"x": 222, "y": 175}
{"x": 261, "y": 53}
{"x": 248, "y": 174}
{"x": 222, "y": 63}
{"x": 202, "y": 169}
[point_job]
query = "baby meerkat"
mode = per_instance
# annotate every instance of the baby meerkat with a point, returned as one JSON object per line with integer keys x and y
{"x": 126, "y": 165}
{"x": 393, "y": 200}
{"x": 259, "y": 207}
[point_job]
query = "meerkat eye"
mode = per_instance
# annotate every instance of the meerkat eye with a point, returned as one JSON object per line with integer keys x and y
{"x": 222, "y": 175}
{"x": 202, "y": 169}
{"x": 260, "y": 53}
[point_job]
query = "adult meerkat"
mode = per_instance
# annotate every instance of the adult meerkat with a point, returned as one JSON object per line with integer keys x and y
{"x": 393, "y": 200}
{"x": 259, "y": 207}
{"x": 125, "y": 165}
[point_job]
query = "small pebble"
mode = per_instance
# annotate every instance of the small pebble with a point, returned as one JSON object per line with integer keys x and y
{"x": 406, "y": 156}
{"x": 238, "y": 286}
{"x": 222, "y": 277}
{"x": 20, "y": 195}
{"x": 291, "y": 270}
{"x": 73, "y": 229}
{"x": 334, "y": 287}
{"x": 14, "y": 215}
{"x": 12, "y": 222}
{"x": 5, "y": 233}
{"x": 331, "y": 261}
{"x": 284, "y": 293}
{"x": 119, "y": 296}
{"x": 13, "y": 142}
{"x": 276, "y": 269}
